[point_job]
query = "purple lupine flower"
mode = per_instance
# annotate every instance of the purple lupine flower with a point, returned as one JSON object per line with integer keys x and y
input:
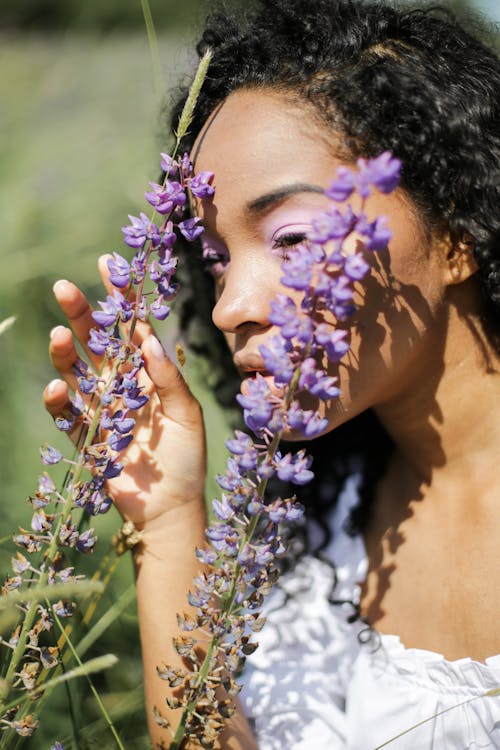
{"x": 377, "y": 233}
{"x": 169, "y": 165}
{"x": 294, "y": 468}
{"x": 98, "y": 341}
{"x": 159, "y": 310}
{"x": 332, "y": 340}
{"x": 138, "y": 266}
{"x": 277, "y": 361}
{"x": 186, "y": 166}
{"x": 332, "y": 225}
{"x": 86, "y": 541}
{"x": 46, "y": 485}
{"x": 200, "y": 185}
{"x": 297, "y": 269}
{"x": 316, "y": 382}
{"x": 119, "y": 442}
{"x": 191, "y": 229}
{"x": 115, "y": 308}
{"x": 65, "y": 424}
{"x": 384, "y": 171}
{"x": 231, "y": 481}
{"x": 355, "y": 267}
{"x": 168, "y": 236}
{"x": 284, "y": 314}
{"x": 112, "y": 469}
{"x": 140, "y": 230}
{"x": 119, "y": 271}
{"x": 257, "y": 409}
{"x": 121, "y": 422}
{"x": 342, "y": 186}
{"x": 50, "y": 455}
{"x": 165, "y": 198}
{"x": 307, "y": 422}
{"x": 240, "y": 443}
{"x": 223, "y": 508}
{"x": 133, "y": 398}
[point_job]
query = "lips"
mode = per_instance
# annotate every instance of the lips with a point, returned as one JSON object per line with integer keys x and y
{"x": 249, "y": 362}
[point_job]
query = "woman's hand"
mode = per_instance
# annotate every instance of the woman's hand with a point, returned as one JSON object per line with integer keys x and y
{"x": 164, "y": 466}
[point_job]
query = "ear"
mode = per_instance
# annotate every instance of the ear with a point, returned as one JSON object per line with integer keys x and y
{"x": 460, "y": 262}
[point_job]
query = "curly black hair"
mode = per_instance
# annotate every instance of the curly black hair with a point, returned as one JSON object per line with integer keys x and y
{"x": 410, "y": 81}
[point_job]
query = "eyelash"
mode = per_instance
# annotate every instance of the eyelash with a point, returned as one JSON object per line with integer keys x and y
{"x": 287, "y": 241}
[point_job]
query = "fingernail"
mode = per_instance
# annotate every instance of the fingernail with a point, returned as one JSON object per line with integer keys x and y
{"x": 53, "y": 385}
{"x": 59, "y": 285}
{"x": 157, "y": 349}
{"x": 54, "y": 331}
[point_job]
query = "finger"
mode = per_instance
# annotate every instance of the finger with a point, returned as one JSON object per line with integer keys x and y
{"x": 56, "y": 398}
{"x": 63, "y": 354}
{"x": 75, "y": 306}
{"x": 142, "y": 329}
{"x": 176, "y": 400}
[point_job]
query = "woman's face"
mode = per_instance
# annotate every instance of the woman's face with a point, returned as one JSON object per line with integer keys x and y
{"x": 272, "y": 161}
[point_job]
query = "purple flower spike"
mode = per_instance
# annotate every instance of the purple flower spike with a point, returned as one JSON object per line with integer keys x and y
{"x": 200, "y": 185}
{"x": 168, "y": 236}
{"x": 298, "y": 269}
{"x": 294, "y": 468}
{"x": 119, "y": 271}
{"x": 343, "y": 186}
{"x": 284, "y": 314}
{"x": 257, "y": 409}
{"x": 356, "y": 267}
{"x": 50, "y": 455}
{"x": 165, "y": 198}
{"x": 186, "y": 166}
{"x": 116, "y": 308}
{"x": 98, "y": 341}
{"x": 377, "y": 234}
{"x": 64, "y": 424}
{"x": 86, "y": 541}
{"x": 333, "y": 340}
{"x": 168, "y": 165}
{"x": 113, "y": 469}
{"x": 222, "y": 508}
{"x": 134, "y": 399}
{"x": 140, "y": 230}
{"x": 332, "y": 225}
{"x": 384, "y": 172}
{"x": 190, "y": 228}
{"x": 159, "y": 310}
{"x": 276, "y": 359}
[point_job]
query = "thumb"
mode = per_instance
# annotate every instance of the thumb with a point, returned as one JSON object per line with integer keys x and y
{"x": 176, "y": 400}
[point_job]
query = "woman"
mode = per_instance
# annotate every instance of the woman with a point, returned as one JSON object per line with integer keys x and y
{"x": 294, "y": 91}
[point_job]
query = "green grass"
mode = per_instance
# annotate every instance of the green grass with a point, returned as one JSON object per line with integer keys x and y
{"x": 81, "y": 138}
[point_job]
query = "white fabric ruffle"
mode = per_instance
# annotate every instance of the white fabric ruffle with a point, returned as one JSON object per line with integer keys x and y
{"x": 312, "y": 684}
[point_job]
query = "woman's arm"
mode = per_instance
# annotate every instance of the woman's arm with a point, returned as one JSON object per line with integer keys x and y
{"x": 161, "y": 490}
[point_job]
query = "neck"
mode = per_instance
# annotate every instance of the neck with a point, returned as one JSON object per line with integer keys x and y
{"x": 445, "y": 426}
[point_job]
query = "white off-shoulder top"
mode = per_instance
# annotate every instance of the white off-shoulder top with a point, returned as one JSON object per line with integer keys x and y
{"x": 320, "y": 682}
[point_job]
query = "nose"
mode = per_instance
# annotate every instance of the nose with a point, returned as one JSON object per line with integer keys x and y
{"x": 243, "y": 300}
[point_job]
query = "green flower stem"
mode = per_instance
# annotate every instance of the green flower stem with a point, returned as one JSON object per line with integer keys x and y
{"x": 230, "y": 600}
{"x": 101, "y": 705}
{"x": 74, "y": 476}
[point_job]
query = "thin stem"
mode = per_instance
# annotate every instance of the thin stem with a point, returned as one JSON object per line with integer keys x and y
{"x": 91, "y": 685}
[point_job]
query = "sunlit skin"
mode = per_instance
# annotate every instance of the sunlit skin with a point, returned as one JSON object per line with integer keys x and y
{"x": 419, "y": 357}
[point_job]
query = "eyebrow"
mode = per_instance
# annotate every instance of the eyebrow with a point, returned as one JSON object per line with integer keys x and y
{"x": 275, "y": 196}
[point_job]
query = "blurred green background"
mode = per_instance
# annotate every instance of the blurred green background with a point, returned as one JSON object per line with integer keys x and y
{"x": 81, "y": 134}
